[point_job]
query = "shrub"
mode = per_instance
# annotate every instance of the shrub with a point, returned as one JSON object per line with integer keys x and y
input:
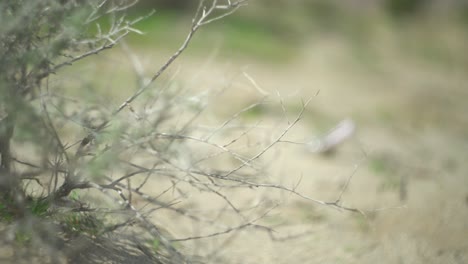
{"x": 75, "y": 172}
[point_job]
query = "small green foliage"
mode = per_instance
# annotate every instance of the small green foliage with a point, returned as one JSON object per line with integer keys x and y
{"x": 82, "y": 223}
{"x": 39, "y": 207}
{"x": 155, "y": 245}
{"x": 74, "y": 195}
{"x": 255, "y": 112}
{"x": 378, "y": 166}
{"x": 5, "y": 214}
{"x": 251, "y": 37}
{"x": 22, "y": 237}
{"x": 405, "y": 8}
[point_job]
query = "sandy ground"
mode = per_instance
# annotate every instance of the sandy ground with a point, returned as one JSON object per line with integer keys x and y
{"x": 409, "y": 150}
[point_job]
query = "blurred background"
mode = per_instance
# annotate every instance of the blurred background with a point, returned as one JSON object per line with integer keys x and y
{"x": 397, "y": 68}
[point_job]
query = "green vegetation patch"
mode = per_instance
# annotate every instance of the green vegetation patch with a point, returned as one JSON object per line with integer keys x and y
{"x": 77, "y": 223}
{"x": 236, "y": 35}
{"x": 9, "y": 210}
{"x": 255, "y": 112}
